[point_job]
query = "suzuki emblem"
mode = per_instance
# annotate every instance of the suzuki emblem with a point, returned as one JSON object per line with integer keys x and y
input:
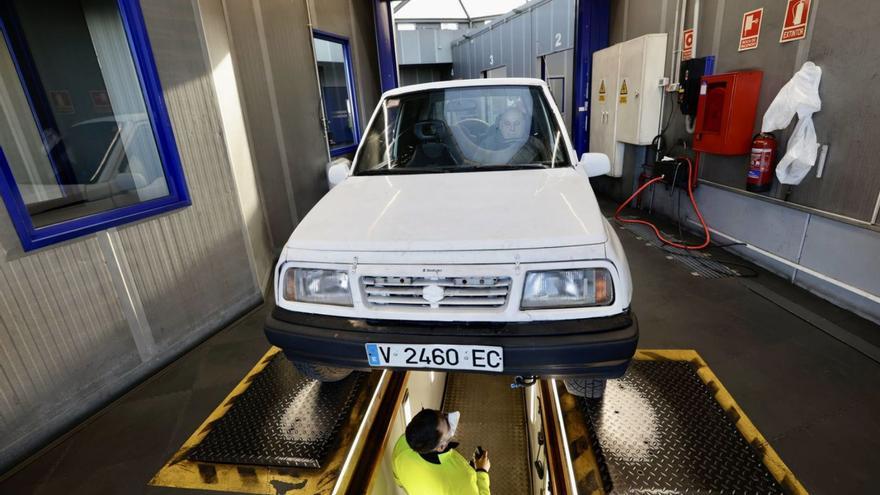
{"x": 433, "y": 293}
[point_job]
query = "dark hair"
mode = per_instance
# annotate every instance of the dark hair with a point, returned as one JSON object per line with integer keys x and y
{"x": 422, "y": 434}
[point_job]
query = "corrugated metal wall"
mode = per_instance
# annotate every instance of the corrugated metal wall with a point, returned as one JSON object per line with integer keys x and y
{"x": 61, "y": 329}
{"x": 191, "y": 267}
{"x": 424, "y": 73}
{"x": 425, "y": 45}
{"x": 516, "y": 40}
{"x": 66, "y": 337}
{"x": 81, "y": 321}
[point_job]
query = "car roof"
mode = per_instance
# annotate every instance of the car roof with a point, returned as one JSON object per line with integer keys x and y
{"x": 465, "y": 83}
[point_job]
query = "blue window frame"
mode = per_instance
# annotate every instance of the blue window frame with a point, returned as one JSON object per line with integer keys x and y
{"x": 87, "y": 149}
{"x": 336, "y": 78}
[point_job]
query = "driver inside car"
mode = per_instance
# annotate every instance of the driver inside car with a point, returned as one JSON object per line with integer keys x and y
{"x": 506, "y": 142}
{"x": 511, "y": 127}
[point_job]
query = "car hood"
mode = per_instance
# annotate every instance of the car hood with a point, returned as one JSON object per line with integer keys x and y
{"x": 518, "y": 209}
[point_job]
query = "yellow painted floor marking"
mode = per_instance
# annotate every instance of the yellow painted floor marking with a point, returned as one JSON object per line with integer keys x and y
{"x": 586, "y": 466}
{"x": 745, "y": 426}
{"x": 179, "y": 472}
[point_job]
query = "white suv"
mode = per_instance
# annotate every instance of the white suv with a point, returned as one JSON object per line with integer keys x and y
{"x": 465, "y": 237}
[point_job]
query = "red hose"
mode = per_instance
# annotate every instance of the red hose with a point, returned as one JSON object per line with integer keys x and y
{"x": 690, "y": 190}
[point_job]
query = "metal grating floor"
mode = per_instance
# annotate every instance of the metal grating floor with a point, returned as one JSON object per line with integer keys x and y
{"x": 493, "y": 416}
{"x": 659, "y": 430}
{"x": 282, "y": 419}
{"x": 699, "y": 263}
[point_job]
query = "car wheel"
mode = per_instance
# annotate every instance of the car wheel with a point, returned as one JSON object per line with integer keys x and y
{"x": 590, "y": 388}
{"x": 321, "y": 373}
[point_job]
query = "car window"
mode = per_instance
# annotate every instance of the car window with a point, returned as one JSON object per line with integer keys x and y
{"x": 463, "y": 129}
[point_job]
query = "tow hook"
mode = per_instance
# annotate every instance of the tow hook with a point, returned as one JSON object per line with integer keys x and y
{"x": 524, "y": 381}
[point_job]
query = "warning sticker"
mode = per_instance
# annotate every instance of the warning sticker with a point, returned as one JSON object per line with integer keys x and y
{"x": 795, "y": 25}
{"x": 751, "y": 29}
{"x": 623, "y": 91}
{"x": 602, "y": 90}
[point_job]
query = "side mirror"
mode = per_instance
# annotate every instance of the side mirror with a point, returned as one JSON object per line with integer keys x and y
{"x": 337, "y": 171}
{"x": 595, "y": 164}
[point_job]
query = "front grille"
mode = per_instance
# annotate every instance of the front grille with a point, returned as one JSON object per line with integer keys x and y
{"x": 472, "y": 292}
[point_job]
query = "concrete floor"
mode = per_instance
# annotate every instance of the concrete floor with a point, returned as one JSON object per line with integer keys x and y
{"x": 814, "y": 398}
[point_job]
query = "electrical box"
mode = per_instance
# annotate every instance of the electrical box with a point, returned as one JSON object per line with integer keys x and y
{"x": 603, "y": 116}
{"x": 626, "y": 95}
{"x": 691, "y": 72}
{"x": 639, "y": 93}
{"x": 726, "y": 112}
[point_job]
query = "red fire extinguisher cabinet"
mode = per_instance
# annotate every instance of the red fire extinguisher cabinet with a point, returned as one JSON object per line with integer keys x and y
{"x": 726, "y": 112}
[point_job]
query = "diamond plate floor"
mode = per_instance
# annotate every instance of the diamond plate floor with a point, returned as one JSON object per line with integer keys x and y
{"x": 282, "y": 419}
{"x": 493, "y": 416}
{"x": 659, "y": 430}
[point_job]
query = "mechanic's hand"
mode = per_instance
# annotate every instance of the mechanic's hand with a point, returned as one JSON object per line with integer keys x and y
{"x": 482, "y": 462}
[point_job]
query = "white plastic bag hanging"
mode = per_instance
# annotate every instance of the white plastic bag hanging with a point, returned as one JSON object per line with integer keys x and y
{"x": 799, "y": 95}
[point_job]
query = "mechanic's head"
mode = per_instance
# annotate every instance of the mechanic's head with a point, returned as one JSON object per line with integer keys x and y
{"x": 512, "y": 124}
{"x": 431, "y": 430}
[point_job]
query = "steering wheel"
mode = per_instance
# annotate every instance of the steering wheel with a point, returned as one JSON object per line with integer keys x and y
{"x": 474, "y": 128}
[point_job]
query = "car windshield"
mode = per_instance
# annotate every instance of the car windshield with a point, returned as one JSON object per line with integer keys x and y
{"x": 463, "y": 130}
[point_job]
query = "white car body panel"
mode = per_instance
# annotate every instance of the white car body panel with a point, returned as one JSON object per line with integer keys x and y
{"x": 514, "y": 209}
{"x": 494, "y": 223}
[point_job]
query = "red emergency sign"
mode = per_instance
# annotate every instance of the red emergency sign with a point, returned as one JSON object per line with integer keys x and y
{"x": 751, "y": 29}
{"x": 795, "y": 26}
{"x": 687, "y": 44}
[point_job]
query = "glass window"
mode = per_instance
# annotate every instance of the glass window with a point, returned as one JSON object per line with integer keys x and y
{"x": 337, "y": 92}
{"x": 557, "y": 89}
{"x": 462, "y": 130}
{"x": 80, "y": 149}
{"x": 449, "y": 26}
{"x": 406, "y": 26}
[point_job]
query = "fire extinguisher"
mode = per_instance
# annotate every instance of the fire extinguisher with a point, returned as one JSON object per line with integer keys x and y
{"x": 761, "y": 163}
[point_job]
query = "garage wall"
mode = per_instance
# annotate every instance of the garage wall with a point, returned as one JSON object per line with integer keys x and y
{"x": 353, "y": 19}
{"x": 516, "y": 40}
{"x": 271, "y": 49}
{"x": 796, "y": 231}
{"x": 427, "y": 44}
{"x": 82, "y": 321}
{"x": 424, "y": 73}
{"x": 238, "y": 143}
{"x": 849, "y": 185}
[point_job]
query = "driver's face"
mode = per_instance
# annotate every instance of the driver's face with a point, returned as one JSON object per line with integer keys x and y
{"x": 512, "y": 124}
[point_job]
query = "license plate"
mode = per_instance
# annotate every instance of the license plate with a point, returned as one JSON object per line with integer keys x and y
{"x": 437, "y": 356}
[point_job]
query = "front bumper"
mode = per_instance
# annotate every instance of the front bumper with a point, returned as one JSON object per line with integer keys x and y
{"x": 596, "y": 347}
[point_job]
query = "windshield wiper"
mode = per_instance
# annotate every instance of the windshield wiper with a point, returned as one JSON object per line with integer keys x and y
{"x": 554, "y": 163}
{"x": 490, "y": 168}
{"x": 402, "y": 170}
{"x": 450, "y": 169}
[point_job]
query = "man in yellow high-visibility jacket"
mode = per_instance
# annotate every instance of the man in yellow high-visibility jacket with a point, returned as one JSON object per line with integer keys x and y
{"x": 425, "y": 461}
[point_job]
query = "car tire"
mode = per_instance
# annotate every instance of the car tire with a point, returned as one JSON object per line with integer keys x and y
{"x": 590, "y": 388}
{"x": 322, "y": 373}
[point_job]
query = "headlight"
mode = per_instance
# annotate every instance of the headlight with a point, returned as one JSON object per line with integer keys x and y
{"x": 568, "y": 289}
{"x": 317, "y": 286}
